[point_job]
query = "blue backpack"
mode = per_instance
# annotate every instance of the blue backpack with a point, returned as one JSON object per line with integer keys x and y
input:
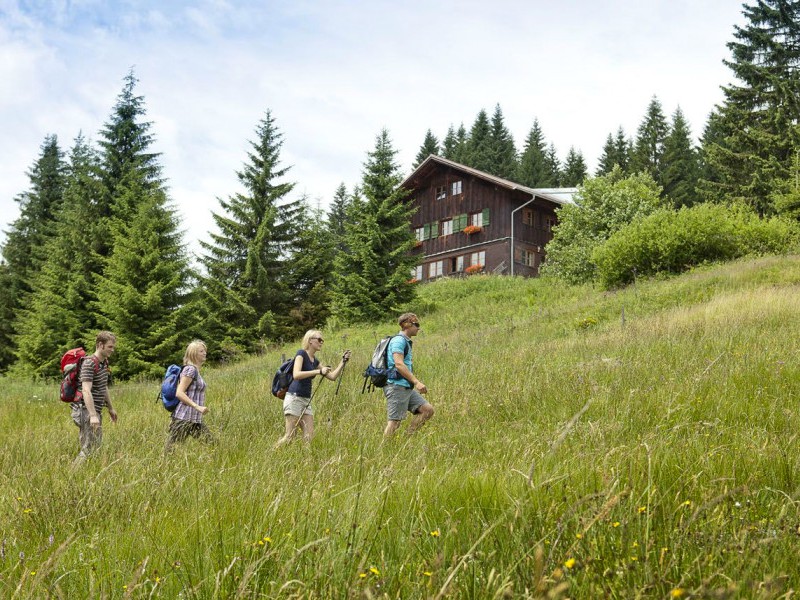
{"x": 169, "y": 387}
{"x": 378, "y": 373}
{"x": 283, "y": 378}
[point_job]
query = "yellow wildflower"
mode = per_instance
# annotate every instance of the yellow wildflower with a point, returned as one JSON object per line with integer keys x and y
{"x": 33, "y": 572}
{"x": 615, "y": 524}
{"x": 267, "y": 539}
{"x": 579, "y": 535}
{"x": 435, "y": 533}
{"x": 27, "y": 511}
{"x": 362, "y": 575}
{"x": 642, "y": 509}
{"x": 677, "y": 593}
{"x": 569, "y": 563}
{"x": 374, "y": 571}
{"x": 687, "y": 503}
{"x": 427, "y": 573}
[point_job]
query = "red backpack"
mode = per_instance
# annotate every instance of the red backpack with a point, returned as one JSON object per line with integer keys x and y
{"x": 71, "y": 364}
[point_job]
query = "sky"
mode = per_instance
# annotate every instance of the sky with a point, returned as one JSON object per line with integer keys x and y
{"x": 335, "y": 73}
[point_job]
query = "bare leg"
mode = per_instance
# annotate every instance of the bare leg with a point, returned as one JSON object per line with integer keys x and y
{"x": 391, "y": 427}
{"x": 307, "y": 423}
{"x": 425, "y": 412}
{"x": 291, "y": 427}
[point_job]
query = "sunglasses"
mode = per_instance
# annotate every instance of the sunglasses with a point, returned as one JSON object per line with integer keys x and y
{"x": 319, "y": 339}
{"x": 414, "y": 323}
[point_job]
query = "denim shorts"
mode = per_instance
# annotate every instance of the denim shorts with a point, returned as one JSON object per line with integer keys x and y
{"x": 401, "y": 400}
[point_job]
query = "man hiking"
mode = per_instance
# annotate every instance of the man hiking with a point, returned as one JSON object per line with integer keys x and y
{"x": 88, "y": 413}
{"x": 404, "y": 393}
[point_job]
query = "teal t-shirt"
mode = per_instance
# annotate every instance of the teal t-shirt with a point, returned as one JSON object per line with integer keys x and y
{"x": 398, "y": 344}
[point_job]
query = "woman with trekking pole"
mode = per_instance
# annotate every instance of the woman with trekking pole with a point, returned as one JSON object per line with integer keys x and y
{"x": 297, "y": 409}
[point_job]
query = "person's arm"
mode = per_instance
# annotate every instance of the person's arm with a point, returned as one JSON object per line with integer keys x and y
{"x": 333, "y": 374}
{"x": 403, "y": 371}
{"x": 111, "y": 412}
{"x": 298, "y": 373}
{"x": 88, "y": 400}
{"x": 181, "y": 395}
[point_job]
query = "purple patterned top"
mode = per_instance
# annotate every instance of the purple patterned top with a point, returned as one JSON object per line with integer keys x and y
{"x": 196, "y": 391}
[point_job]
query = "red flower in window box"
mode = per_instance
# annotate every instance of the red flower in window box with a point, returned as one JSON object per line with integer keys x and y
{"x": 418, "y": 244}
{"x": 470, "y": 229}
{"x": 474, "y": 269}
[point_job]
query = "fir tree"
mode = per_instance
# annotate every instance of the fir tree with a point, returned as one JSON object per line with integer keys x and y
{"x": 449, "y": 144}
{"x": 648, "y": 150}
{"x": 373, "y": 277}
{"x": 61, "y": 310}
{"x": 23, "y": 251}
{"x": 553, "y": 166}
{"x": 337, "y": 217}
{"x": 532, "y": 169}
{"x": 245, "y": 297}
{"x": 430, "y": 145}
{"x": 503, "y": 151}
{"x": 756, "y": 133}
{"x": 478, "y": 146}
{"x": 681, "y": 166}
{"x": 616, "y": 151}
{"x": 574, "y": 169}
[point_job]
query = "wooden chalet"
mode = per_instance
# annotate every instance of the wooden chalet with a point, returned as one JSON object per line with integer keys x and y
{"x": 463, "y": 221}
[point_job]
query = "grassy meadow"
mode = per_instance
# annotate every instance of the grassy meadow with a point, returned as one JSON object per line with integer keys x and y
{"x": 632, "y": 444}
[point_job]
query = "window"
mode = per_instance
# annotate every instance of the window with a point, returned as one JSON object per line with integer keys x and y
{"x": 419, "y": 233}
{"x": 456, "y": 188}
{"x": 476, "y": 219}
{"x": 441, "y": 192}
{"x": 435, "y": 269}
{"x": 528, "y": 258}
{"x": 478, "y": 258}
{"x": 527, "y": 216}
{"x": 447, "y": 227}
{"x": 459, "y": 266}
{"x": 549, "y": 223}
{"x": 416, "y": 273}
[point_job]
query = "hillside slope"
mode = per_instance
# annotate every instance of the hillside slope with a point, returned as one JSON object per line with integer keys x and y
{"x": 586, "y": 444}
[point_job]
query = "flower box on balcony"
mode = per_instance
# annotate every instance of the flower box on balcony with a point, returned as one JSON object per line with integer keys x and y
{"x": 470, "y": 229}
{"x": 418, "y": 244}
{"x": 473, "y": 269}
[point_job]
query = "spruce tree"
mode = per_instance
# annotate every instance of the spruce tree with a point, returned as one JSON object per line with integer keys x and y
{"x": 616, "y": 151}
{"x": 648, "y": 150}
{"x": 553, "y": 166}
{"x": 574, "y": 169}
{"x": 373, "y": 277}
{"x": 756, "y": 129}
{"x": 23, "y": 251}
{"x": 244, "y": 296}
{"x": 503, "y": 151}
{"x": 681, "y": 166}
{"x": 532, "y": 170}
{"x": 430, "y": 145}
{"x": 61, "y": 309}
{"x": 461, "y": 150}
{"x": 479, "y": 147}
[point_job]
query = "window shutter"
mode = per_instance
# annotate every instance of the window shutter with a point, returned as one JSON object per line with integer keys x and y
{"x": 426, "y": 231}
{"x": 434, "y": 229}
{"x": 485, "y": 217}
{"x": 459, "y": 222}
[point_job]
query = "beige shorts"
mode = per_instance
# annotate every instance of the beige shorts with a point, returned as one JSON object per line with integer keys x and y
{"x": 297, "y": 406}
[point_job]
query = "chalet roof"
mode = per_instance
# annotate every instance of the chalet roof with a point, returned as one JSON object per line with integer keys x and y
{"x": 560, "y": 196}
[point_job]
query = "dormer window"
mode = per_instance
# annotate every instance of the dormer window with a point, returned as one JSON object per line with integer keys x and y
{"x": 441, "y": 192}
{"x": 456, "y": 188}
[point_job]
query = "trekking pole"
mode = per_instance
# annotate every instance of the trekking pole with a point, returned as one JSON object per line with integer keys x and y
{"x": 341, "y": 374}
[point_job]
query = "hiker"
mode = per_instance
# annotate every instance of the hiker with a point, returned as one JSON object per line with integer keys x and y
{"x": 404, "y": 393}
{"x": 297, "y": 403}
{"x": 187, "y": 420}
{"x": 87, "y": 414}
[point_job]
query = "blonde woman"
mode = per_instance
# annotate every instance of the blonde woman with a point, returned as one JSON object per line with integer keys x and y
{"x": 187, "y": 420}
{"x": 297, "y": 409}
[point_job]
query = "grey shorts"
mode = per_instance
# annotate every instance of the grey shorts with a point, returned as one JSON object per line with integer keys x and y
{"x": 297, "y": 406}
{"x": 401, "y": 400}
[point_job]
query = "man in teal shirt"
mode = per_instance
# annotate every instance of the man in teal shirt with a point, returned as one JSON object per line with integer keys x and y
{"x": 404, "y": 392}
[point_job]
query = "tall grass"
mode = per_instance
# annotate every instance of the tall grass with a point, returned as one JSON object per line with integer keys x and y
{"x": 640, "y": 443}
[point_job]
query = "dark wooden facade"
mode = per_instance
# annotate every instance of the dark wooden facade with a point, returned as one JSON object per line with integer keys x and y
{"x": 463, "y": 221}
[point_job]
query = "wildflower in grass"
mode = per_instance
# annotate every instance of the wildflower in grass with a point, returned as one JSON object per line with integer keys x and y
{"x": 28, "y": 511}
{"x": 33, "y": 573}
{"x": 569, "y": 563}
{"x": 579, "y": 536}
{"x": 374, "y": 571}
{"x": 635, "y": 545}
{"x": 50, "y": 540}
{"x": 634, "y": 558}
{"x": 427, "y": 574}
{"x": 124, "y": 587}
{"x": 687, "y": 503}
{"x": 362, "y": 575}
{"x": 267, "y": 539}
{"x": 615, "y": 524}
{"x": 435, "y": 533}
{"x": 158, "y": 579}
{"x": 642, "y": 509}
{"x": 677, "y": 593}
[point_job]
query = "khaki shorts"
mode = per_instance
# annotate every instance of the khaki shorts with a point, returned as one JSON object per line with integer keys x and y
{"x": 401, "y": 400}
{"x": 297, "y": 406}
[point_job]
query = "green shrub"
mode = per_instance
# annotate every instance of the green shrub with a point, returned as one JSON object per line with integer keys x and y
{"x": 669, "y": 241}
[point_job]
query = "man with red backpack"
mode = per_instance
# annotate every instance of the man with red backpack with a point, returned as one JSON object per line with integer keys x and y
{"x": 87, "y": 414}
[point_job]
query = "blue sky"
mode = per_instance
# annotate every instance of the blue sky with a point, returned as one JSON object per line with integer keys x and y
{"x": 334, "y": 73}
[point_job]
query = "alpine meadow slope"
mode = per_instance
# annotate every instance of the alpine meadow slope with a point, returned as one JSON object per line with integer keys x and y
{"x": 637, "y": 443}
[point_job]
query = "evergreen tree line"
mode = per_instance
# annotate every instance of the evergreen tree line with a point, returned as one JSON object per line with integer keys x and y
{"x": 99, "y": 245}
